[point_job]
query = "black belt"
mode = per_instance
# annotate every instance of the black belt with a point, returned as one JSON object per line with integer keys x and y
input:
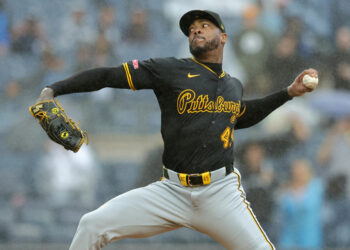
{"x": 199, "y": 179}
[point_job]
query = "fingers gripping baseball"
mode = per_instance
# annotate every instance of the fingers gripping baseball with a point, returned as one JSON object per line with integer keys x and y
{"x": 306, "y": 81}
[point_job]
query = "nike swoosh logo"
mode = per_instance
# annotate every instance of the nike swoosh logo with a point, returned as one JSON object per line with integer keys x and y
{"x": 191, "y": 76}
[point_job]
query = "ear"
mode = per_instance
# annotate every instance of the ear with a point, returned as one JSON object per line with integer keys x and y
{"x": 223, "y": 38}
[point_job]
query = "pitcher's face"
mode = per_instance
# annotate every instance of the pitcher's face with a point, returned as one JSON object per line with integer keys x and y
{"x": 204, "y": 36}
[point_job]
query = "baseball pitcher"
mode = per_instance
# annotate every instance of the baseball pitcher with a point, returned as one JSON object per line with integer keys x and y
{"x": 201, "y": 107}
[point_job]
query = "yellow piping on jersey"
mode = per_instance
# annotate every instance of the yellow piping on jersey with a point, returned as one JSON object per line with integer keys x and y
{"x": 243, "y": 111}
{"x": 205, "y": 66}
{"x": 251, "y": 212}
{"x": 128, "y": 76}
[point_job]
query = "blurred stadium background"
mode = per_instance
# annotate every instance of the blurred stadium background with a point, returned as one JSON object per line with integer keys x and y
{"x": 295, "y": 164}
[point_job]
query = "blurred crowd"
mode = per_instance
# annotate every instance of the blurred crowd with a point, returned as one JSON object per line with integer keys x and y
{"x": 294, "y": 165}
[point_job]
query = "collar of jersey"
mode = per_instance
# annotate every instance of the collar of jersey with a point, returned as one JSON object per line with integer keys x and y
{"x": 205, "y": 66}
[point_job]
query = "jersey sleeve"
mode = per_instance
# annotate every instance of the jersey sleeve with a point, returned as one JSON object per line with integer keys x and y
{"x": 146, "y": 74}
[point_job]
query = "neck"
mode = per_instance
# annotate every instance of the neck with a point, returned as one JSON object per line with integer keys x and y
{"x": 214, "y": 56}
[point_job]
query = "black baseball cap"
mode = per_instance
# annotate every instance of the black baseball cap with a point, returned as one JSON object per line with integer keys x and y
{"x": 188, "y": 18}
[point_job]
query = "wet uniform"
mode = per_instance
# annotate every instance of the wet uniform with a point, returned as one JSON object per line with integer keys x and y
{"x": 201, "y": 106}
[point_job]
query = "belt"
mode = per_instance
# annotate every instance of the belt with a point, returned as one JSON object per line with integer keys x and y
{"x": 195, "y": 180}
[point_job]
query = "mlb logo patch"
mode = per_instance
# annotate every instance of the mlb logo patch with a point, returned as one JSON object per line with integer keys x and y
{"x": 135, "y": 64}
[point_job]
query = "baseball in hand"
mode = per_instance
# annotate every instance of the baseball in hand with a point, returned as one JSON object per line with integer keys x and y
{"x": 310, "y": 82}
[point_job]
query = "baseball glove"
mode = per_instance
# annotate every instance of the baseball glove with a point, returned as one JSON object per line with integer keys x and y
{"x": 58, "y": 126}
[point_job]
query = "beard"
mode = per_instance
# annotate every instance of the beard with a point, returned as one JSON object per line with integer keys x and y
{"x": 197, "y": 51}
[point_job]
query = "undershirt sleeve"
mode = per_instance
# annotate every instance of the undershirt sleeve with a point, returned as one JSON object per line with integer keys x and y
{"x": 92, "y": 80}
{"x": 254, "y": 111}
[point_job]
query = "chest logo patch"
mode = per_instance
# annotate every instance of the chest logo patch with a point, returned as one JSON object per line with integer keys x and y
{"x": 189, "y": 75}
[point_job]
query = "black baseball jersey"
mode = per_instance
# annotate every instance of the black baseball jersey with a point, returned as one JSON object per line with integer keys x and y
{"x": 200, "y": 108}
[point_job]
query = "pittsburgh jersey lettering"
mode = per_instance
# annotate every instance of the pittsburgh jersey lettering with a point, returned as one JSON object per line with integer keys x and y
{"x": 188, "y": 101}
